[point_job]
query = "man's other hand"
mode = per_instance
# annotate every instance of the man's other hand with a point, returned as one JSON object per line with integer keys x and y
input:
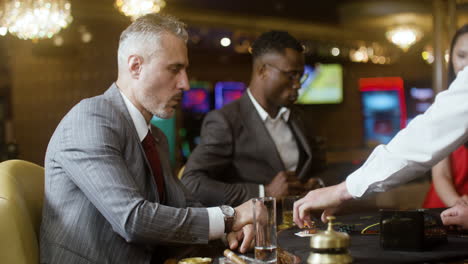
{"x": 278, "y": 187}
{"x": 246, "y": 235}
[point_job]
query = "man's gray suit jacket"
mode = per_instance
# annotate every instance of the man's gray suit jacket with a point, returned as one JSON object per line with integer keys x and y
{"x": 236, "y": 154}
{"x": 101, "y": 203}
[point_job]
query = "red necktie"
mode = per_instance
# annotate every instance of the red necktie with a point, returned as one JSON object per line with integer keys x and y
{"x": 149, "y": 145}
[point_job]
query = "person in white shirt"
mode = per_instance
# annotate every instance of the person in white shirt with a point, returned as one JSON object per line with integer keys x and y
{"x": 426, "y": 140}
{"x": 257, "y": 145}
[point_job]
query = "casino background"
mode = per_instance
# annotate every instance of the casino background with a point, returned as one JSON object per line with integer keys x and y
{"x": 41, "y": 80}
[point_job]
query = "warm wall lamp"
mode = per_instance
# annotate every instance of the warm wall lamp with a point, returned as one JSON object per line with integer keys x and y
{"x": 404, "y": 36}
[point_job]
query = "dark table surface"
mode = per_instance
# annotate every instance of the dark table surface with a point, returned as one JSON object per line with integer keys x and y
{"x": 366, "y": 248}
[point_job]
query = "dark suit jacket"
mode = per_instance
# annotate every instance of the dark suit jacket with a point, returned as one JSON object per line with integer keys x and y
{"x": 101, "y": 203}
{"x": 236, "y": 154}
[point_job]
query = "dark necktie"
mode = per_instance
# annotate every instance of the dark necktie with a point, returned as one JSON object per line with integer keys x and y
{"x": 149, "y": 145}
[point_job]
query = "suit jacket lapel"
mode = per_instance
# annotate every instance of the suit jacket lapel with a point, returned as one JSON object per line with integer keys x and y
{"x": 114, "y": 96}
{"x": 173, "y": 195}
{"x": 265, "y": 145}
{"x": 302, "y": 142}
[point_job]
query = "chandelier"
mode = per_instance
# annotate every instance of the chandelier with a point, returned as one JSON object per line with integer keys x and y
{"x": 36, "y": 19}
{"x": 404, "y": 36}
{"x": 137, "y": 8}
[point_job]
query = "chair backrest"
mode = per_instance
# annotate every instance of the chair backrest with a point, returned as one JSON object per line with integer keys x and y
{"x": 21, "y": 198}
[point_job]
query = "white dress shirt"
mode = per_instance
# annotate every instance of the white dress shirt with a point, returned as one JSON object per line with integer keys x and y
{"x": 429, "y": 138}
{"x": 215, "y": 215}
{"x": 281, "y": 134}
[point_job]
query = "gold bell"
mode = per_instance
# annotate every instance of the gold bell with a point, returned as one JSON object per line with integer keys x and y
{"x": 329, "y": 246}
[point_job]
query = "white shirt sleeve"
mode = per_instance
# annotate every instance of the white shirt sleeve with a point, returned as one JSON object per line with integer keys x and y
{"x": 428, "y": 139}
{"x": 216, "y": 222}
{"x": 261, "y": 190}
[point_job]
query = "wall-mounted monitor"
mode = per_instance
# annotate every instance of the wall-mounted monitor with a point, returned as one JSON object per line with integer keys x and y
{"x": 197, "y": 99}
{"x": 226, "y": 92}
{"x": 324, "y": 84}
{"x": 383, "y": 108}
{"x": 419, "y": 100}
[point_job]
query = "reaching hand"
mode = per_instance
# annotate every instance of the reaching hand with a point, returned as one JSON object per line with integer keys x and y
{"x": 456, "y": 215}
{"x": 328, "y": 198}
{"x": 278, "y": 187}
{"x": 246, "y": 235}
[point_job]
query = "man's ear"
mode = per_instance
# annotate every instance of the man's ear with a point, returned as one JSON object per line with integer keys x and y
{"x": 260, "y": 69}
{"x": 135, "y": 64}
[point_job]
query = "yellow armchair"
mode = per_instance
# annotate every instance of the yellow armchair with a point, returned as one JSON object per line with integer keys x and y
{"x": 21, "y": 198}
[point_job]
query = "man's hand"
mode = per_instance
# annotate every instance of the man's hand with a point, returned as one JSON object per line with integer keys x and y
{"x": 283, "y": 184}
{"x": 244, "y": 215}
{"x": 328, "y": 198}
{"x": 457, "y": 215}
{"x": 278, "y": 187}
{"x": 246, "y": 235}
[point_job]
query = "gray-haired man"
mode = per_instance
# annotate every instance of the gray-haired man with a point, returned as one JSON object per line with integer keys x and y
{"x": 110, "y": 196}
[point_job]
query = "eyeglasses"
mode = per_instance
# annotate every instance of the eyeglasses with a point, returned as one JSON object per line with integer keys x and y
{"x": 292, "y": 75}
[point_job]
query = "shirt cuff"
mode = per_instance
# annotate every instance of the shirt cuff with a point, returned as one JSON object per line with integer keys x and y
{"x": 261, "y": 190}
{"x": 216, "y": 222}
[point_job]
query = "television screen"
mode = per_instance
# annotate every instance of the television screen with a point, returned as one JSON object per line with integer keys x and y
{"x": 324, "y": 85}
{"x": 381, "y": 110}
{"x": 226, "y": 92}
{"x": 419, "y": 100}
{"x": 196, "y": 100}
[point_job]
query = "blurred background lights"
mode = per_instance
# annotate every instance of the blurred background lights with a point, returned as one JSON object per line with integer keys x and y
{"x": 85, "y": 35}
{"x": 404, "y": 36}
{"x": 58, "y": 41}
{"x": 225, "y": 42}
{"x": 335, "y": 51}
{"x": 359, "y": 55}
{"x": 137, "y": 8}
{"x": 36, "y": 19}
{"x": 3, "y": 31}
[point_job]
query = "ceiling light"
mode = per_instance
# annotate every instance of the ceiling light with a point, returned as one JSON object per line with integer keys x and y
{"x": 138, "y": 8}
{"x": 335, "y": 51}
{"x": 3, "y": 31}
{"x": 36, "y": 19}
{"x": 225, "y": 42}
{"x": 404, "y": 36}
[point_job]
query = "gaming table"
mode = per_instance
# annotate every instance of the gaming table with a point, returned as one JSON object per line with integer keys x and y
{"x": 365, "y": 248}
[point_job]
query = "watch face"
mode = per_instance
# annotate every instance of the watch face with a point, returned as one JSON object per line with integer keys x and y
{"x": 227, "y": 210}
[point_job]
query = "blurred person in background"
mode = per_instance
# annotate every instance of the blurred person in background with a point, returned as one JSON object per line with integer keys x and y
{"x": 257, "y": 145}
{"x": 450, "y": 176}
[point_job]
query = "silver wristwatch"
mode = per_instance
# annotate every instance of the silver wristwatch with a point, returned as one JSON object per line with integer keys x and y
{"x": 229, "y": 217}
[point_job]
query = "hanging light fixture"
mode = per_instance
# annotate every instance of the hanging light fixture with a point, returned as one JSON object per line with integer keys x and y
{"x": 404, "y": 36}
{"x": 137, "y": 8}
{"x": 36, "y": 19}
{"x": 3, "y": 20}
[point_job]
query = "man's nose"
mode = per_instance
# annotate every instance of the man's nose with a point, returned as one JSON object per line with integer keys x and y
{"x": 183, "y": 82}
